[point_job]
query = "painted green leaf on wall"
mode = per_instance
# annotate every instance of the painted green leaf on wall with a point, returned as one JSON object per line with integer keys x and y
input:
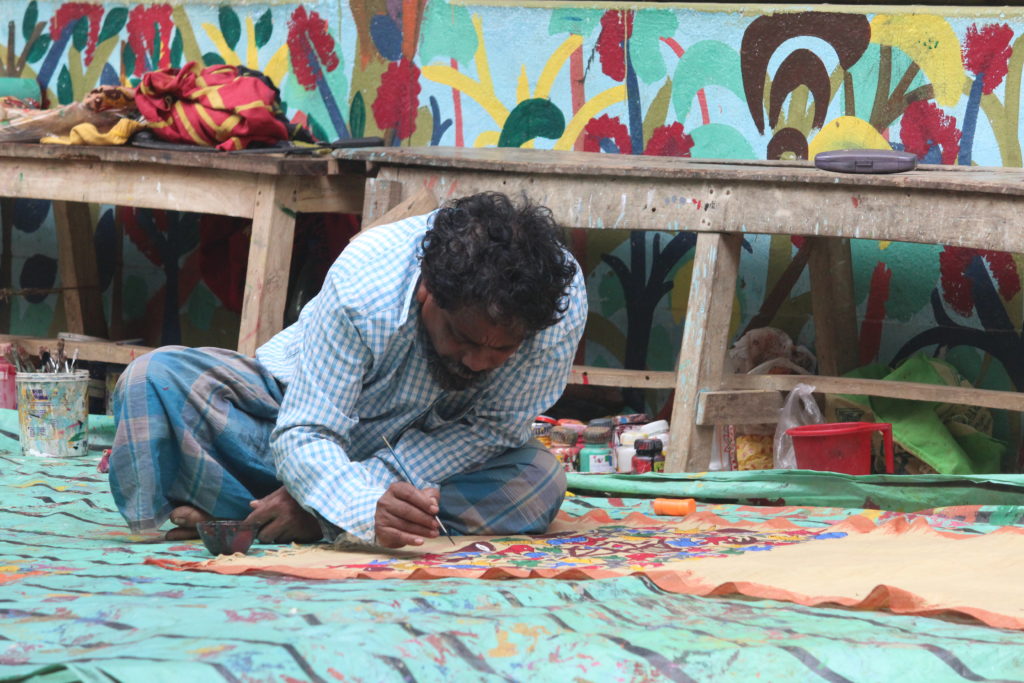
{"x": 447, "y": 32}
{"x": 264, "y": 29}
{"x": 80, "y": 34}
{"x": 649, "y": 27}
{"x": 211, "y": 58}
{"x": 65, "y": 93}
{"x": 708, "y": 62}
{"x": 531, "y": 119}
{"x": 319, "y": 132}
{"x": 230, "y": 26}
{"x": 128, "y": 59}
{"x": 39, "y": 49}
{"x": 357, "y": 116}
{"x": 177, "y": 48}
{"x": 115, "y": 20}
{"x": 28, "y": 23}
{"x": 719, "y": 141}
{"x": 576, "y": 21}
{"x": 915, "y": 272}
{"x": 158, "y": 41}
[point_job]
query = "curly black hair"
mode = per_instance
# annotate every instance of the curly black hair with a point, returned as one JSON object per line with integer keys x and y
{"x": 504, "y": 259}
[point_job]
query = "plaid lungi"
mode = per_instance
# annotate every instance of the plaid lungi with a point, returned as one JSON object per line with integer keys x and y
{"x": 193, "y": 426}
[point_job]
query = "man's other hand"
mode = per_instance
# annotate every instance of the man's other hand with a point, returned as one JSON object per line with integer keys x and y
{"x": 283, "y": 520}
{"x": 405, "y": 515}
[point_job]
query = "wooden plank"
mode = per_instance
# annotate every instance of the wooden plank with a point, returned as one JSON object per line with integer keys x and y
{"x": 266, "y": 277}
{"x": 262, "y": 163}
{"x": 104, "y": 352}
{"x": 702, "y": 355}
{"x": 203, "y": 190}
{"x": 324, "y": 194}
{"x": 707, "y": 204}
{"x": 614, "y": 377}
{"x": 914, "y": 391}
{"x": 750, "y": 406}
{"x": 83, "y": 303}
{"x": 833, "y": 306}
{"x": 955, "y": 179}
{"x": 380, "y": 195}
{"x": 418, "y": 204}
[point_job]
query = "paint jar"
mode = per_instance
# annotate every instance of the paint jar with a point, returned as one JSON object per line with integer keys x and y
{"x": 53, "y": 413}
{"x": 542, "y": 432}
{"x": 8, "y": 391}
{"x": 597, "y": 456}
{"x": 652, "y": 428}
{"x": 647, "y": 452}
{"x": 563, "y": 446}
{"x": 624, "y": 459}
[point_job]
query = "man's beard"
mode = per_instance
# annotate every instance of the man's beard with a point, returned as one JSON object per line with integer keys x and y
{"x": 450, "y": 374}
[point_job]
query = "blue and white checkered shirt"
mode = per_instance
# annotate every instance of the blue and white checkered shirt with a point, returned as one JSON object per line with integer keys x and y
{"x": 355, "y": 371}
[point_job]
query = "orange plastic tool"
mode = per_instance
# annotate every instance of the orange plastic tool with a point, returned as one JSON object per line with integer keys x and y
{"x": 679, "y": 507}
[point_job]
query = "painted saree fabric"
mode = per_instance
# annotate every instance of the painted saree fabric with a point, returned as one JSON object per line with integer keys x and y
{"x": 913, "y": 564}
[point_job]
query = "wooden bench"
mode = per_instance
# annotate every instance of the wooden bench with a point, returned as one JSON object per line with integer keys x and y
{"x": 269, "y": 189}
{"x": 721, "y": 202}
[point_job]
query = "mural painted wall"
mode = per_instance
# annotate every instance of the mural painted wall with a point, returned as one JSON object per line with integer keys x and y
{"x": 675, "y": 80}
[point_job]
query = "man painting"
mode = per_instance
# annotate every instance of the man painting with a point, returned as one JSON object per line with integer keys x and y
{"x": 446, "y": 334}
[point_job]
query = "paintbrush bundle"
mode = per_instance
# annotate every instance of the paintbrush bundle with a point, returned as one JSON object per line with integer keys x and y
{"x": 58, "y": 361}
{"x": 18, "y": 357}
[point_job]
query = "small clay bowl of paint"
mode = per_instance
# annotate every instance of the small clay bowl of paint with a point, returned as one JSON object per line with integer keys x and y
{"x": 227, "y": 536}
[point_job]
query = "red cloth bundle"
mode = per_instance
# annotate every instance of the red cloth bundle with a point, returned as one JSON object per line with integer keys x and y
{"x": 219, "y": 106}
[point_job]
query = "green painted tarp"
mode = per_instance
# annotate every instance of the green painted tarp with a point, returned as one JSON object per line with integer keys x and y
{"x": 78, "y": 604}
{"x": 902, "y": 493}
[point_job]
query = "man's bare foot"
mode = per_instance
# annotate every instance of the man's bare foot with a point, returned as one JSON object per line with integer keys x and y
{"x": 185, "y": 518}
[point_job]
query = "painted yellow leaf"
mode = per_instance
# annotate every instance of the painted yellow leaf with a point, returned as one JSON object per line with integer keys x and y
{"x": 930, "y": 41}
{"x": 846, "y": 132}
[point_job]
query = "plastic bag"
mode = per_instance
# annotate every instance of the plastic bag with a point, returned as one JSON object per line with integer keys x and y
{"x": 799, "y": 409}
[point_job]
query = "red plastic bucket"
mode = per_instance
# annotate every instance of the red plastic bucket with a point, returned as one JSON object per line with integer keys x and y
{"x": 839, "y": 446}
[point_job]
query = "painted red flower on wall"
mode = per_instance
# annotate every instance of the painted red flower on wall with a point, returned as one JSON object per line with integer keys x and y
{"x": 669, "y": 141}
{"x": 957, "y": 288}
{"x": 925, "y": 126}
{"x": 311, "y": 47}
{"x": 141, "y": 28}
{"x": 70, "y": 13}
{"x": 616, "y": 28}
{"x": 986, "y": 53}
{"x": 398, "y": 98}
{"x": 606, "y": 134}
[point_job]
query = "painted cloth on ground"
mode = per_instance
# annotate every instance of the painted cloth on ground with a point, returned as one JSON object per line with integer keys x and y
{"x": 194, "y": 427}
{"x": 81, "y": 605}
{"x": 904, "y": 563}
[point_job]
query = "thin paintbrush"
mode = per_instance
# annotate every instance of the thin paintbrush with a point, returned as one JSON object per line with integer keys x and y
{"x": 405, "y": 473}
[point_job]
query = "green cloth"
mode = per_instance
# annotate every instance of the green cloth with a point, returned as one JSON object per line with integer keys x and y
{"x": 902, "y": 493}
{"x": 941, "y": 435}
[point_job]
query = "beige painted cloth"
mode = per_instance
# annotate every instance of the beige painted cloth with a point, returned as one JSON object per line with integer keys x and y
{"x": 901, "y": 564}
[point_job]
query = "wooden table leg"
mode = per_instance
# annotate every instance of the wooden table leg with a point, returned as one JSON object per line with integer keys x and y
{"x": 379, "y": 196}
{"x": 266, "y": 276}
{"x": 705, "y": 341}
{"x": 833, "y": 306}
{"x": 83, "y": 304}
